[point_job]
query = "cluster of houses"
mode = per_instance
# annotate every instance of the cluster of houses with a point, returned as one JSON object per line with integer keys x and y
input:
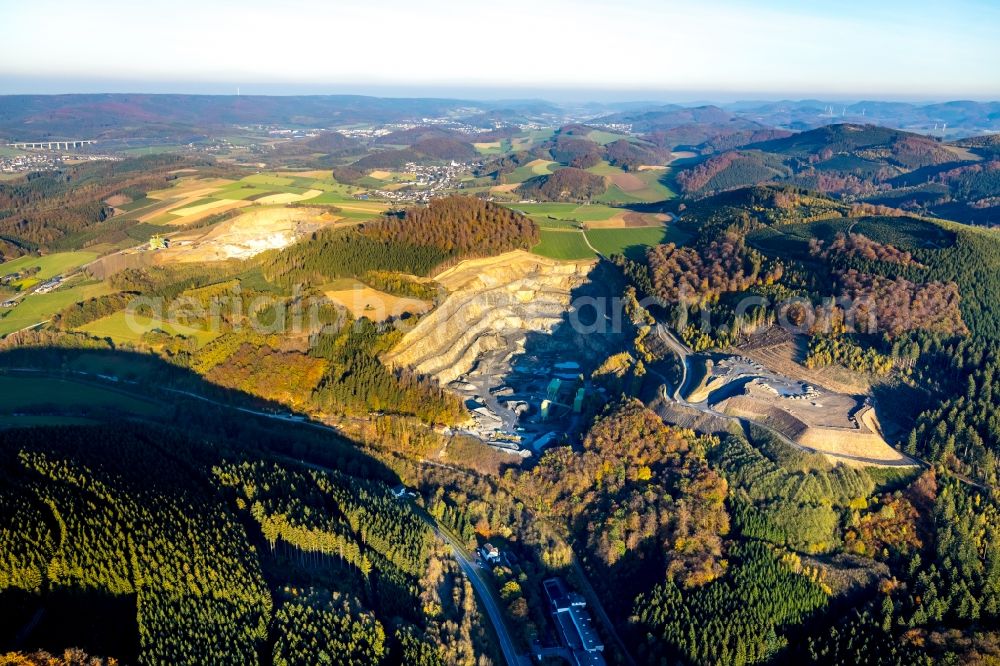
{"x": 618, "y": 128}
{"x": 47, "y": 161}
{"x": 430, "y": 181}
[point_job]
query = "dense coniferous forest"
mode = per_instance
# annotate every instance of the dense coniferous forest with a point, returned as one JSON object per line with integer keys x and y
{"x": 187, "y": 535}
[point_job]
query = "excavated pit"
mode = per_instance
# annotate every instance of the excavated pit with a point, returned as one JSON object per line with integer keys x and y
{"x": 491, "y": 304}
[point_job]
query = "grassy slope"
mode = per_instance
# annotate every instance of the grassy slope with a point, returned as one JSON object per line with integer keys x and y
{"x": 35, "y": 309}
{"x": 49, "y": 265}
{"x": 563, "y": 244}
{"x": 120, "y": 329}
{"x": 631, "y": 242}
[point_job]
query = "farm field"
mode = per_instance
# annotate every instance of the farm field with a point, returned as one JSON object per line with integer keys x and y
{"x": 192, "y": 198}
{"x": 631, "y": 242}
{"x": 605, "y": 137}
{"x": 34, "y": 309}
{"x": 563, "y": 244}
{"x": 547, "y": 213}
{"x": 18, "y": 393}
{"x": 628, "y": 187}
{"x": 530, "y": 138}
{"x": 592, "y": 216}
{"x": 351, "y": 208}
{"x": 530, "y": 170}
{"x": 48, "y": 265}
{"x": 490, "y": 147}
{"x": 123, "y": 329}
{"x": 363, "y": 301}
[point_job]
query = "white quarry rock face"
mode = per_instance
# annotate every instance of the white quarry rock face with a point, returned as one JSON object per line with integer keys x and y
{"x": 490, "y": 300}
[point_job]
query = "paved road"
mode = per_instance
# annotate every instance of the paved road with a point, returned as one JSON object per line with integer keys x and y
{"x": 483, "y": 588}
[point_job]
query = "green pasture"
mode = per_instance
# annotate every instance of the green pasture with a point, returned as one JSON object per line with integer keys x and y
{"x": 563, "y": 244}
{"x": 48, "y": 265}
{"x": 568, "y": 211}
{"x": 121, "y": 328}
{"x": 633, "y": 242}
{"x": 36, "y": 308}
{"x": 605, "y": 137}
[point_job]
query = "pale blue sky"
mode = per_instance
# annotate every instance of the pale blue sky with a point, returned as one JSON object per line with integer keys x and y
{"x": 852, "y": 48}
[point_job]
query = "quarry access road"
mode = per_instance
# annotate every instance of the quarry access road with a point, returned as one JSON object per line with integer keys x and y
{"x": 677, "y": 396}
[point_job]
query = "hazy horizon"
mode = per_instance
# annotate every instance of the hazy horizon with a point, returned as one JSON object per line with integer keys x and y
{"x": 487, "y": 94}
{"x": 673, "y": 51}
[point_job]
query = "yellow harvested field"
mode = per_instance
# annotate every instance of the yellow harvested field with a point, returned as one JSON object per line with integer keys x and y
{"x": 319, "y": 174}
{"x": 507, "y": 187}
{"x": 194, "y": 210}
{"x": 171, "y": 205}
{"x": 363, "y": 301}
{"x": 289, "y": 197}
{"x": 191, "y": 218}
{"x": 363, "y": 207}
{"x": 380, "y": 175}
{"x": 652, "y": 167}
{"x": 194, "y": 188}
{"x": 616, "y": 222}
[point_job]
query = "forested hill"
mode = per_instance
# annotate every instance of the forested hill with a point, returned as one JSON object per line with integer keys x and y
{"x": 64, "y": 209}
{"x": 904, "y": 148}
{"x": 883, "y": 166}
{"x": 415, "y": 241}
{"x": 569, "y": 184}
{"x": 218, "y": 550}
{"x": 459, "y": 226}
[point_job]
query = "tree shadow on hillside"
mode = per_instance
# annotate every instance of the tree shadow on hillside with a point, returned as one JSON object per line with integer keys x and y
{"x": 93, "y": 620}
{"x": 180, "y": 399}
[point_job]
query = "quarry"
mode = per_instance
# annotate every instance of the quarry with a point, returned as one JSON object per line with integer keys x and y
{"x": 502, "y": 340}
{"x": 843, "y": 427}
